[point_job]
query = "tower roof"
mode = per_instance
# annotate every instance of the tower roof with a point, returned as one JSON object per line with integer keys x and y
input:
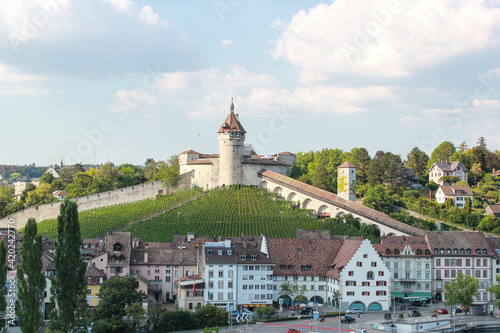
{"x": 231, "y": 124}
{"x": 346, "y": 164}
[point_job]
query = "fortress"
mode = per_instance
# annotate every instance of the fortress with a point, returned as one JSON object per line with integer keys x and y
{"x": 234, "y": 164}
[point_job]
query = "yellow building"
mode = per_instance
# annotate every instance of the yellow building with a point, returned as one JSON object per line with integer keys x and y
{"x": 95, "y": 278}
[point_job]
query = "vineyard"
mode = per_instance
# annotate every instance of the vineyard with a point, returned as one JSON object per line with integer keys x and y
{"x": 227, "y": 212}
{"x": 96, "y": 222}
{"x": 233, "y": 211}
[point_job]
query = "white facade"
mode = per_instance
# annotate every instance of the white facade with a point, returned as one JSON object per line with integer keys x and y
{"x": 316, "y": 287}
{"x": 255, "y": 285}
{"x": 458, "y": 196}
{"x": 365, "y": 280}
{"x": 440, "y": 169}
{"x": 220, "y": 276}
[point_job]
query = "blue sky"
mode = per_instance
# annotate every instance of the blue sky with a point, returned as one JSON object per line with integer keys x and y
{"x": 122, "y": 81}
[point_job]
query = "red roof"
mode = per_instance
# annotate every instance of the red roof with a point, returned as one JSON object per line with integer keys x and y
{"x": 347, "y": 164}
{"x": 231, "y": 124}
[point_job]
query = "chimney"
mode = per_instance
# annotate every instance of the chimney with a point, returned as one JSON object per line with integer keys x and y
{"x": 145, "y": 257}
{"x": 245, "y": 245}
{"x": 180, "y": 257}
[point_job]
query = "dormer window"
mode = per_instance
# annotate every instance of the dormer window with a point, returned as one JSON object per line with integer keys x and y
{"x": 220, "y": 252}
{"x": 117, "y": 247}
{"x": 209, "y": 252}
{"x": 229, "y": 252}
{"x": 89, "y": 280}
{"x": 243, "y": 257}
{"x": 253, "y": 257}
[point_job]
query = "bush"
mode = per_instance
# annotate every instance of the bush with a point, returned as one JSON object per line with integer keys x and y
{"x": 265, "y": 312}
{"x": 411, "y": 194}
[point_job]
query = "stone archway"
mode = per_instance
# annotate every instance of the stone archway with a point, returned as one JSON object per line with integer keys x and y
{"x": 264, "y": 184}
{"x": 306, "y": 203}
{"x": 278, "y": 190}
{"x": 293, "y": 197}
{"x": 339, "y": 214}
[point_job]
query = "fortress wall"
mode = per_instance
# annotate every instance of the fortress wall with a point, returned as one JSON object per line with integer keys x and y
{"x": 115, "y": 197}
{"x": 250, "y": 172}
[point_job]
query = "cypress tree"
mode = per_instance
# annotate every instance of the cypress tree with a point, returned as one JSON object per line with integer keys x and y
{"x": 30, "y": 280}
{"x": 68, "y": 285}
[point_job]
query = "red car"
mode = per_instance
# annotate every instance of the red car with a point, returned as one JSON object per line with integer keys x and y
{"x": 293, "y": 330}
{"x": 442, "y": 311}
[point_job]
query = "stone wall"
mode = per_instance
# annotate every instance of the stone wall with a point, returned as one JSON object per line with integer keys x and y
{"x": 115, "y": 197}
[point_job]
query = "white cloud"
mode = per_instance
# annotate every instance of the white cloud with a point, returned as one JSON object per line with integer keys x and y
{"x": 378, "y": 38}
{"x": 15, "y": 83}
{"x": 226, "y": 42}
{"x": 102, "y": 37}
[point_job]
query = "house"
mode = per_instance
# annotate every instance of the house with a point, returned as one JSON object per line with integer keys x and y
{"x": 302, "y": 263}
{"x": 60, "y": 195}
{"x": 95, "y": 278}
{"x": 492, "y": 210}
{"x": 360, "y": 276}
{"x": 409, "y": 261}
{"x": 118, "y": 250}
{"x": 440, "y": 169}
{"x": 161, "y": 265}
{"x": 466, "y": 252}
{"x": 190, "y": 292}
{"x": 48, "y": 269}
{"x": 457, "y": 193}
{"x": 494, "y": 243}
{"x": 20, "y": 186}
{"x": 410, "y": 179}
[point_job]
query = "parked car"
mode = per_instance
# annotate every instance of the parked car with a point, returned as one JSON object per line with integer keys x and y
{"x": 358, "y": 331}
{"x": 347, "y": 320}
{"x": 305, "y": 311}
{"x": 442, "y": 311}
{"x": 458, "y": 310}
{"x": 414, "y": 313}
{"x": 293, "y": 330}
{"x": 354, "y": 310}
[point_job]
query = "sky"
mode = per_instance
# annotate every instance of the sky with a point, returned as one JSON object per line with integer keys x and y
{"x": 122, "y": 81}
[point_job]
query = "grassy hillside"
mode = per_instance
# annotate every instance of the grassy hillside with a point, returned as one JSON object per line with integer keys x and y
{"x": 226, "y": 212}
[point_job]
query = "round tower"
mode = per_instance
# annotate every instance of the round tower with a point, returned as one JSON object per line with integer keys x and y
{"x": 346, "y": 181}
{"x": 231, "y": 141}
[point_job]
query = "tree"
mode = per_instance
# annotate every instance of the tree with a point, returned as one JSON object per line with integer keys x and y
{"x": 211, "y": 316}
{"x": 3, "y": 205}
{"x": 116, "y": 294}
{"x": 265, "y": 312}
{"x": 361, "y": 159}
{"x": 47, "y": 178}
{"x": 336, "y": 296}
{"x": 81, "y": 185}
{"x": 321, "y": 179}
{"x": 449, "y": 203}
{"x": 461, "y": 290}
{"x": 443, "y": 152}
{"x": 378, "y": 198}
{"x": 417, "y": 160}
{"x": 3, "y": 281}
{"x": 467, "y": 206}
{"x": 150, "y": 169}
{"x": 286, "y": 290}
{"x": 15, "y": 176}
{"x": 488, "y": 223}
{"x": 449, "y": 180}
{"x": 30, "y": 187}
{"x": 30, "y": 288}
{"x": 68, "y": 285}
{"x": 169, "y": 172}
{"x": 135, "y": 314}
{"x": 128, "y": 176}
{"x": 495, "y": 290}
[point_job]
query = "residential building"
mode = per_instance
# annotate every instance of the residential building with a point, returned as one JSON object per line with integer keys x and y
{"x": 60, "y": 194}
{"x": 161, "y": 265}
{"x": 463, "y": 252}
{"x": 118, "y": 249}
{"x": 360, "y": 276}
{"x": 440, "y": 169}
{"x": 220, "y": 274}
{"x": 190, "y": 292}
{"x": 457, "y": 193}
{"x": 254, "y": 273}
{"x": 492, "y": 210}
{"x": 494, "y": 243}
{"x": 303, "y": 264}
{"x": 95, "y": 278}
{"x": 409, "y": 262}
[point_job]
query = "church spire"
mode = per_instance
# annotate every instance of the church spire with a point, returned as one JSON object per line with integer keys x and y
{"x": 232, "y": 106}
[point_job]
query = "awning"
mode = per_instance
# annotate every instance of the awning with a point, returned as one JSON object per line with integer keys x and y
{"x": 397, "y": 294}
{"x": 422, "y": 294}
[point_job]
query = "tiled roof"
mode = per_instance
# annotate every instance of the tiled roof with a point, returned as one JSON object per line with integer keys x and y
{"x": 294, "y": 256}
{"x": 163, "y": 256}
{"x": 347, "y": 164}
{"x": 335, "y": 200}
{"x": 239, "y": 249}
{"x": 200, "y": 161}
{"x": 314, "y": 234}
{"x": 124, "y": 239}
{"x": 399, "y": 243}
{"x": 190, "y": 151}
{"x": 449, "y": 166}
{"x": 286, "y": 153}
{"x": 494, "y": 209}
{"x": 345, "y": 254}
{"x": 452, "y": 190}
{"x": 494, "y": 243}
{"x": 458, "y": 240}
{"x": 48, "y": 262}
{"x": 231, "y": 124}
{"x": 264, "y": 161}
{"x": 93, "y": 271}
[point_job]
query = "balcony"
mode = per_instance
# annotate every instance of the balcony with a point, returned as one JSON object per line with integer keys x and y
{"x": 403, "y": 279}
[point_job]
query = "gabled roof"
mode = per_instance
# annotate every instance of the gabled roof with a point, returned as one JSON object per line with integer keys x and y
{"x": 449, "y": 166}
{"x": 456, "y": 190}
{"x": 296, "y": 257}
{"x": 473, "y": 240}
{"x": 399, "y": 243}
{"x": 346, "y": 164}
{"x": 345, "y": 254}
{"x": 190, "y": 152}
{"x": 494, "y": 209}
{"x": 231, "y": 124}
{"x": 93, "y": 271}
{"x": 286, "y": 153}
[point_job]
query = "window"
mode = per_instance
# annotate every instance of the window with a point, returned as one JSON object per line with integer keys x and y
{"x": 374, "y": 264}
{"x": 243, "y": 257}
{"x": 167, "y": 278}
{"x": 396, "y": 285}
{"x": 253, "y": 257}
{"x": 365, "y": 283}
{"x": 438, "y": 262}
{"x": 350, "y": 283}
{"x": 478, "y": 273}
{"x": 230, "y": 284}
{"x": 311, "y": 288}
{"x": 209, "y": 252}
{"x": 419, "y": 265}
{"x": 230, "y": 273}
{"x": 381, "y": 283}
{"x": 306, "y": 268}
{"x": 220, "y": 252}
{"x": 427, "y": 276}
{"x": 89, "y": 291}
{"x": 176, "y": 273}
{"x": 365, "y": 293}
{"x": 220, "y": 296}
{"x": 380, "y": 273}
{"x": 211, "y": 274}
{"x": 453, "y": 273}
{"x": 89, "y": 280}
{"x": 229, "y": 252}
{"x": 485, "y": 273}
{"x": 438, "y": 274}
{"x": 369, "y": 275}
{"x": 381, "y": 292}
{"x": 427, "y": 286}
{"x": 221, "y": 284}
{"x": 427, "y": 266}
{"x": 478, "y": 262}
{"x": 221, "y": 274}
{"x": 446, "y": 273}
{"x": 351, "y": 273}
{"x": 467, "y": 262}
{"x": 210, "y": 296}
{"x": 396, "y": 275}
{"x": 350, "y": 293}
{"x": 485, "y": 262}
{"x": 359, "y": 264}
{"x": 230, "y": 295}
{"x": 396, "y": 265}
{"x": 388, "y": 265}
{"x": 149, "y": 272}
{"x": 407, "y": 265}
{"x": 419, "y": 275}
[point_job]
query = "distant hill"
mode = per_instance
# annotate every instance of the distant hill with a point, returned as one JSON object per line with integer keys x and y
{"x": 226, "y": 212}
